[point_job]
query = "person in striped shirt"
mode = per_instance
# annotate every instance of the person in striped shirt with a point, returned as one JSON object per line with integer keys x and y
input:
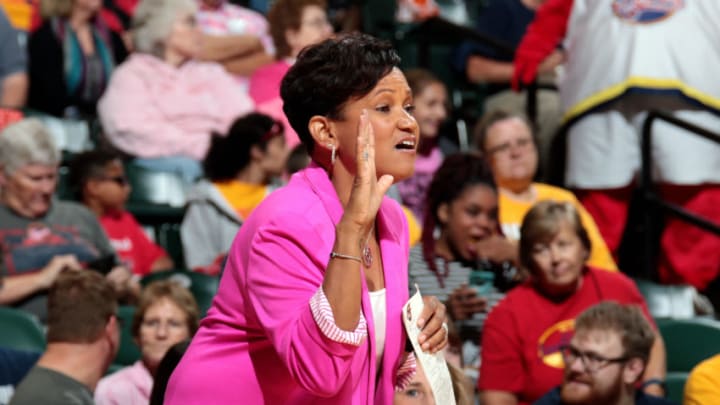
{"x": 462, "y": 242}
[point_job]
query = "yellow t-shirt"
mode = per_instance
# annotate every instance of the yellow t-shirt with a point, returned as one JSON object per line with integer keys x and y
{"x": 703, "y": 385}
{"x": 243, "y": 197}
{"x": 414, "y": 228}
{"x": 512, "y": 213}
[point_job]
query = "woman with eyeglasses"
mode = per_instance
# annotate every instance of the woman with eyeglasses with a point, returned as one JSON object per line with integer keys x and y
{"x": 166, "y": 314}
{"x": 294, "y": 24}
{"x": 241, "y": 169}
{"x": 509, "y": 146}
{"x": 523, "y": 334}
{"x": 41, "y": 236}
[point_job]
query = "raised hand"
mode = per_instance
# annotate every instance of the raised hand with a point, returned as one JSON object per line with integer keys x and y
{"x": 56, "y": 266}
{"x": 497, "y": 249}
{"x": 367, "y": 190}
{"x": 464, "y": 302}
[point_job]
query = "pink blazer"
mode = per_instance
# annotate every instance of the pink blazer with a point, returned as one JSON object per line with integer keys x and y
{"x": 259, "y": 343}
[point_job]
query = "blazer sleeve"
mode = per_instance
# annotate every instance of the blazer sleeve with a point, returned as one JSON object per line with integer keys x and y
{"x": 283, "y": 275}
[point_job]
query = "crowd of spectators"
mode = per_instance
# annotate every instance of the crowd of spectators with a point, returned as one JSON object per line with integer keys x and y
{"x": 192, "y": 89}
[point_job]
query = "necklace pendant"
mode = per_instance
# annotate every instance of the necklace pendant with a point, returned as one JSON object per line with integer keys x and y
{"x": 367, "y": 257}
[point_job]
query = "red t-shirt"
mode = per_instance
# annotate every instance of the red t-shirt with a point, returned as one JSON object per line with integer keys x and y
{"x": 523, "y": 334}
{"x": 131, "y": 243}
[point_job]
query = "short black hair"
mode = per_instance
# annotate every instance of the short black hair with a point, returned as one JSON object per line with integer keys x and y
{"x": 229, "y": 154}
{"x": 88, "y": 165}
{"x": 329, "y": 74}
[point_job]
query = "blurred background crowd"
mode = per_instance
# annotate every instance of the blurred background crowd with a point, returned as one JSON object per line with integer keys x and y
{"x": 138, "y": 135}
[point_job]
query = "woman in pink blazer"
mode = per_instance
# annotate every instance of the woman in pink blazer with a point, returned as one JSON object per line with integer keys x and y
{"x": 309, "y": 309}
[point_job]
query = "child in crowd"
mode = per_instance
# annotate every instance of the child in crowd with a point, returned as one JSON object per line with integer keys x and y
{"x": 98, "y": 179}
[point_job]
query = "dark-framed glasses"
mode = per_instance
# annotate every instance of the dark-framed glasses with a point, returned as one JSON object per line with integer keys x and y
{"x": 504, "y": 148}
{"x": 591, "y": 361}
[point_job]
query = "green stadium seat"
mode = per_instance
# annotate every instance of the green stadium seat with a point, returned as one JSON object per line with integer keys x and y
{"x": 687, "y": 343}
{"x": 20, "y": 330}
{"x": 128, "y": 352}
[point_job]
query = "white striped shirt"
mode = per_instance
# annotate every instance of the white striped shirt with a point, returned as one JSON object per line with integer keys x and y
{"x": 323, "y": 315}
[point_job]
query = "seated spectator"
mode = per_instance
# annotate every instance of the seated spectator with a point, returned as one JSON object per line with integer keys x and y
{"x": 703, "y": 384}
{"x": 240, "y": 168}
{"x": 166, "y": 314}
{"x": 83, "y": 338}
{"x": 14, "y": 366}
{"x": 460, "y": 236}
{"x": 161, "y": 105}
{"x": 523, "y": 334}
{"x": 506, "y": 21}
{"x": 72, "y": 56}
{"x": 40, "y": 236}
{"x": 234, "y": 36}
{"x": 13, "y": 66}
{"x": 430, "y": 97}
{"x": 98, "y": 180}
{"x": 606, "y": 358}
{"x": 509, "y": 145}
{"x": 294, "y": 24}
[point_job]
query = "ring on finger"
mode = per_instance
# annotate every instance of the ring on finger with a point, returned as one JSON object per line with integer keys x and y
{"x": 366, "y": 156}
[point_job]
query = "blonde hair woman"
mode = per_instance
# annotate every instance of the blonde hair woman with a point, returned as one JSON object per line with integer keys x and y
{"x": 524, "y": 332}
{"x": 166, "y": 314}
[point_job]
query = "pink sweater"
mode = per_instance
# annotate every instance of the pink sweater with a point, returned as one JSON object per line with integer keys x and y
{"x": 153, "y": 109}
{"x": 131, "y": 385}
{"x": 261, "y": 342}
{"x": 265, "y": 92}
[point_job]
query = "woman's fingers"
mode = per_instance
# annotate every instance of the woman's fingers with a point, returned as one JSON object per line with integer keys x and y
{"x": 433, "y": 323}
{"x": 368, "y": 190}
{"x": 365, "y": 150}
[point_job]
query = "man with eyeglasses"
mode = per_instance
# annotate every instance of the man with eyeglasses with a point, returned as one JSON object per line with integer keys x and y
{"x": 606, "y": 358}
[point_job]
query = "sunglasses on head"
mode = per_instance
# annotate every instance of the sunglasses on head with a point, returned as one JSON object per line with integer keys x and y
{"x": 276, "y": 129}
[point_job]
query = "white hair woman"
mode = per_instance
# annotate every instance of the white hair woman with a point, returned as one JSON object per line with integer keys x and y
{"x": 40, "y": 236}
{"x": 162, "y": 105}
{"x": 72, "y": 56}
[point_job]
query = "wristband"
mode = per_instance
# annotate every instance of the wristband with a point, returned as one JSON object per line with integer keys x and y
{"x": 653, "y": 381}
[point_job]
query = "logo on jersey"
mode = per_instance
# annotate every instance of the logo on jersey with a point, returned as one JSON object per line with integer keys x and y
{"x": 552, "y": 340}
{"x": 646, "y": 11}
